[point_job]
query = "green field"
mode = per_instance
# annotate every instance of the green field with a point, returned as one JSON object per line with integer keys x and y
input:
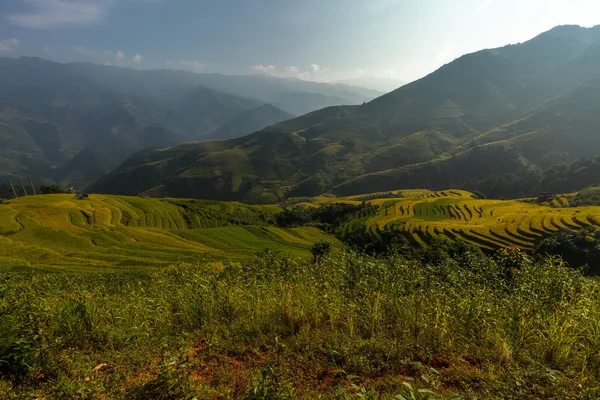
{"x": 108, "y": 232}
{"x": 112, "y": 232}
{"x": 457, "y": 214}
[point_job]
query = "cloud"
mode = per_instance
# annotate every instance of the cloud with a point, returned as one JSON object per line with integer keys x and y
{"x": 120, "y": 56}
{"x": 485, "y": 4}
{"x": 48, "y": 14}
{"x": 289, "y": 71}
{"x": 265, "y": 69}
{"x": 137, "y": 58}
{"x": 9, "y": 44}
{"x": 188, "y": 65}
{"x": 47, "y": 49}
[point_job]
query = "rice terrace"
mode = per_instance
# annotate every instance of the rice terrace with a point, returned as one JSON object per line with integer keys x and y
{"x": 106, "y": 232}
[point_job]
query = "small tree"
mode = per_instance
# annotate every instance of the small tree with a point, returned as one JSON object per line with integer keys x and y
{"x": 54, "y": 189}
{"x": 320, "y": 248}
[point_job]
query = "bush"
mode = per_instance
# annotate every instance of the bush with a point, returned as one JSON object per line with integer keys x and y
{"x": 589, "y": 196}
{"x": 320, "y": 249}
{"x": 577, "y": 248}
{"x": 54, "y": 189}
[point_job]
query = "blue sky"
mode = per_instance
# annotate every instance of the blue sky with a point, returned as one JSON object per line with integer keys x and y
{"x": 321, "y": 40}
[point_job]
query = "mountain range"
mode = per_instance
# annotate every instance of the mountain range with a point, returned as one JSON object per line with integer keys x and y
{"x": 511, "y": 110}
{"x": 74, "y": 123}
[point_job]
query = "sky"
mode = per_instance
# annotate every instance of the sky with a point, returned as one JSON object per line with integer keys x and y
{"x": 322, "y": 40}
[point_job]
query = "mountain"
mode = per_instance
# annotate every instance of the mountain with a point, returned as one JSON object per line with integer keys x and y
{"x": 447, "y": 120}
{"x": 294, "y": 96}
{"x": 249, "y": 121}
{"x": 384, "y": 85}
{"x": 74, "y": 123}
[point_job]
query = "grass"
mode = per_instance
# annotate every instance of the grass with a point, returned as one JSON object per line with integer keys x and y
{"x": 58, "y": 232}
{"x": 282, "y": 328}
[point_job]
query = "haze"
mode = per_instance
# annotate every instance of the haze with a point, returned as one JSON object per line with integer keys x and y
{"x": 312, "y": 40}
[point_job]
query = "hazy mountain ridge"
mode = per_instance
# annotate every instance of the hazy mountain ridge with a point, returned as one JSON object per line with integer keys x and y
{"x": 435, "y": 119}
{"x": 104, "y": 114}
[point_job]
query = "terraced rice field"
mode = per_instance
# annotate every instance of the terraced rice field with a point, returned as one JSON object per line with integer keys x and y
{"x": 490, "y": 224}
{"x": 107, "y": 232}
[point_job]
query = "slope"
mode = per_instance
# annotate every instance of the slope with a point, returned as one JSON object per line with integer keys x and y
{"x": 96, "y": 116}
{"x": 250, "y": 121}
{"x": 114, "y": 232}
{"x": 425, "y": 121}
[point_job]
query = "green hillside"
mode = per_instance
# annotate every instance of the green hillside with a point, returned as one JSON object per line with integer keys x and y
{"x": 250, "y": 121}
{"x": 74, "y": 123}
{"x": 115, "y": 232}
{"x": 534, "y": 102}
{"x": 455, "y": 214}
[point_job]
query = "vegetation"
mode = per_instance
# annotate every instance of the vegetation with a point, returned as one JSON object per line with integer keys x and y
{"x": 449, "y": 129}
{"x": 76, "y": 133}
{"x": 60, "y": 232}
{"x": 54, "y": 189}
{"x": 350, "y": 326}
{"x": 112, "y": 232}
{"x": 589, "y": 196}
{"x": 417, "y": 217}
{"x": 577, "y": 248}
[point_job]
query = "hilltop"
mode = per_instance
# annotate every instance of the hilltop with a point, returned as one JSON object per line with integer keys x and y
{"x": 526, "y": 106}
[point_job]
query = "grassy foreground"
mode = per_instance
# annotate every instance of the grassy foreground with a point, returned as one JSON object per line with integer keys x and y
{"x": 281, "y": 328}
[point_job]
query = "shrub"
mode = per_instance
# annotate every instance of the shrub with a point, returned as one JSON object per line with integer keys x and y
{"x": 576, "y": 248}
{"x": 320, "y": 249}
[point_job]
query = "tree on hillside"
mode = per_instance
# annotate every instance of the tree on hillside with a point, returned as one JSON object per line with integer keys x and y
{"x": 54, "y": 189}
{"x": 577, "y": 248}
{"x": 320, "y": 249}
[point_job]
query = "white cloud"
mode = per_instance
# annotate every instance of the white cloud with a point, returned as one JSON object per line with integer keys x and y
{"x": 137, "y": 58}
{"x": 189, "y": 65}
{"x": 119, "y": 56}
{"x": 48, "y": 14}
{"x": 292, "y": 71}
{"x": 265, "y": 69}
{"x": 47, "y": 49}
{"x": 108, "y": 53}
{"x": 9, "y": 44}
{"x": 108, "y": 64}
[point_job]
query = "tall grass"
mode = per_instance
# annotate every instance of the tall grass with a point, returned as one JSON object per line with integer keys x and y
{"x": 350, "y": 326}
